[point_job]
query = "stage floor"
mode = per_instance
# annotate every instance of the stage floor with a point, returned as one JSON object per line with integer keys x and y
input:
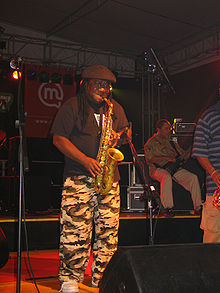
{"x": 43, "y": 241}
{"x": 45, "y": 269}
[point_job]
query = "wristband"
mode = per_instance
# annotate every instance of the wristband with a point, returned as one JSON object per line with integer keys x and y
{"x": 213, "y": 172}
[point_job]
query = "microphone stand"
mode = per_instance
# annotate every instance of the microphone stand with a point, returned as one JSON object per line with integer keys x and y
{"x": 148, "y": 192}
{"x": 22, "y": 157}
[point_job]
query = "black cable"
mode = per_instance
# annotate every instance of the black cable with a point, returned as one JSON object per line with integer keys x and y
{"x": 147, "y": 184}
{"x": 26, "y": 240}
{"x": 156, "y": 219}
{"x": 3, "y": 142}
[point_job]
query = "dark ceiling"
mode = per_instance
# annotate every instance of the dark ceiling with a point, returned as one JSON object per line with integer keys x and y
{"x": 125, "y": 26}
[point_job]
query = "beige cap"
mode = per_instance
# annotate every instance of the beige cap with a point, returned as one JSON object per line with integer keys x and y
{"x": 98, "y": 72}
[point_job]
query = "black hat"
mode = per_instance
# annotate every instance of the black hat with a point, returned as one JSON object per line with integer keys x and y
{"x": 98, "y": 72}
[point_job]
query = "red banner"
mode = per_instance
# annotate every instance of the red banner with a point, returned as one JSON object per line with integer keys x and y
{"x": 46, "y": 89}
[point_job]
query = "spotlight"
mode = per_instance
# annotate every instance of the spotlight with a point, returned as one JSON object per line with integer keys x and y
{"x": 16, "y": 74}
{"x": 151, "y": 68}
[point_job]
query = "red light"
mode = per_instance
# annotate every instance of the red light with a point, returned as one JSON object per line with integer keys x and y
{"x": 16, "y": 74}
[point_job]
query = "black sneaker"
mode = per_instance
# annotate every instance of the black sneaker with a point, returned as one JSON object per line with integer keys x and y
{"x": 197, "y": 211}
{"x": 168, "y": 213}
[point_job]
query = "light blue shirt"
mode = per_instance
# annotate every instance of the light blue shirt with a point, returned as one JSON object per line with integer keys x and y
{"x": 207, "y": 141}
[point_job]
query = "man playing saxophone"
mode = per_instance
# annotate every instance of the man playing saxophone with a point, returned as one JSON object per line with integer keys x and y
{"x": 78, "y": 133}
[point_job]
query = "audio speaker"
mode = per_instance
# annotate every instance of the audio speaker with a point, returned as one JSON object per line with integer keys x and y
{"x": 163, "y": 268}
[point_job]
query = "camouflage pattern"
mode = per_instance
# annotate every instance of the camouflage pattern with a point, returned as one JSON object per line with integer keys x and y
{"x": 81, "y": 210}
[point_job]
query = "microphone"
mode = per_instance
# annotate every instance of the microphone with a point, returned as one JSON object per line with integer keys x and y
{"x": 16, "y": 63}
{"x": 123, "y": 135}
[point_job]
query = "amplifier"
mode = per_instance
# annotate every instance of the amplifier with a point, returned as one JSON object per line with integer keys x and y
{"x": 136, "y": 200}
{"x": 185, "y": 127}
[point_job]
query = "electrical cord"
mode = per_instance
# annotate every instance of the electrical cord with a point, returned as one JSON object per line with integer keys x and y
{"x": 26, "y": 239}
{"x": 151, "y": 190}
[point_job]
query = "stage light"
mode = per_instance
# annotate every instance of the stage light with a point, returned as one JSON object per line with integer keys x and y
{"x": 16, "y": 74}
{"x": 56, "y": 78}
{"x": 44, "y": 77}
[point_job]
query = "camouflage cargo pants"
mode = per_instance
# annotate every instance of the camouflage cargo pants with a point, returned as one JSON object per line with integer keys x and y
{"x": 81, "y": 208}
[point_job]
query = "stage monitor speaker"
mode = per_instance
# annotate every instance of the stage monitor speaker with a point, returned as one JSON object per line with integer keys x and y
{"x": 180, "y": 268}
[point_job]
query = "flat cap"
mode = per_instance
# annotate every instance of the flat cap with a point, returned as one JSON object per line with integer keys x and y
{"x": 98, "y": 72}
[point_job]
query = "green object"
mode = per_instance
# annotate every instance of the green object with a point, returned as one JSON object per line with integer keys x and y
{"x": 6, "y": 100}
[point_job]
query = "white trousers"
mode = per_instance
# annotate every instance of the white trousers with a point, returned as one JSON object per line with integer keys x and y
{"x": 210, "y": 221}
{"x": 183, "y": 177}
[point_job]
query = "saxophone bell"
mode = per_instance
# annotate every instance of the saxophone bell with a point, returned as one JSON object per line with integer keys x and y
{"x": 104, "y": 182}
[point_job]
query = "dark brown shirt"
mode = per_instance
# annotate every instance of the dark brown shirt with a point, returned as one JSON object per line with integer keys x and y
{"x": 68, "y": 124}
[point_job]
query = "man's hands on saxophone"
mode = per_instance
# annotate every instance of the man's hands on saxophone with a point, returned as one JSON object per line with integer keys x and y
{"x": 119, "y": 138}
{"x": 93, "y": 166}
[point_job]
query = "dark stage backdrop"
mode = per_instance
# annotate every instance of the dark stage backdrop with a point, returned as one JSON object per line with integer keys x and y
{"x": 8, "y": 88}
{"x": 196, "y": 89}
{"x": 128, "y": 94}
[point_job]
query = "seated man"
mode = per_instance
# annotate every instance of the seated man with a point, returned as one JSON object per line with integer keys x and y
{"x": 159, "y": 150}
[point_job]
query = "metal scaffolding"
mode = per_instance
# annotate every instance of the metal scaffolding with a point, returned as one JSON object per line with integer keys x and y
{"x": 195, "y": 54}
{"x": 151, "y": 95}
{"x": 155, "y": 83}
{"x": 38, "y": 49}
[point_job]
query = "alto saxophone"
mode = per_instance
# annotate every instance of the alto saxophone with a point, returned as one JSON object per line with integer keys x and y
{"x": 216, "y": 198}
{"x": 107, "y": 157}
